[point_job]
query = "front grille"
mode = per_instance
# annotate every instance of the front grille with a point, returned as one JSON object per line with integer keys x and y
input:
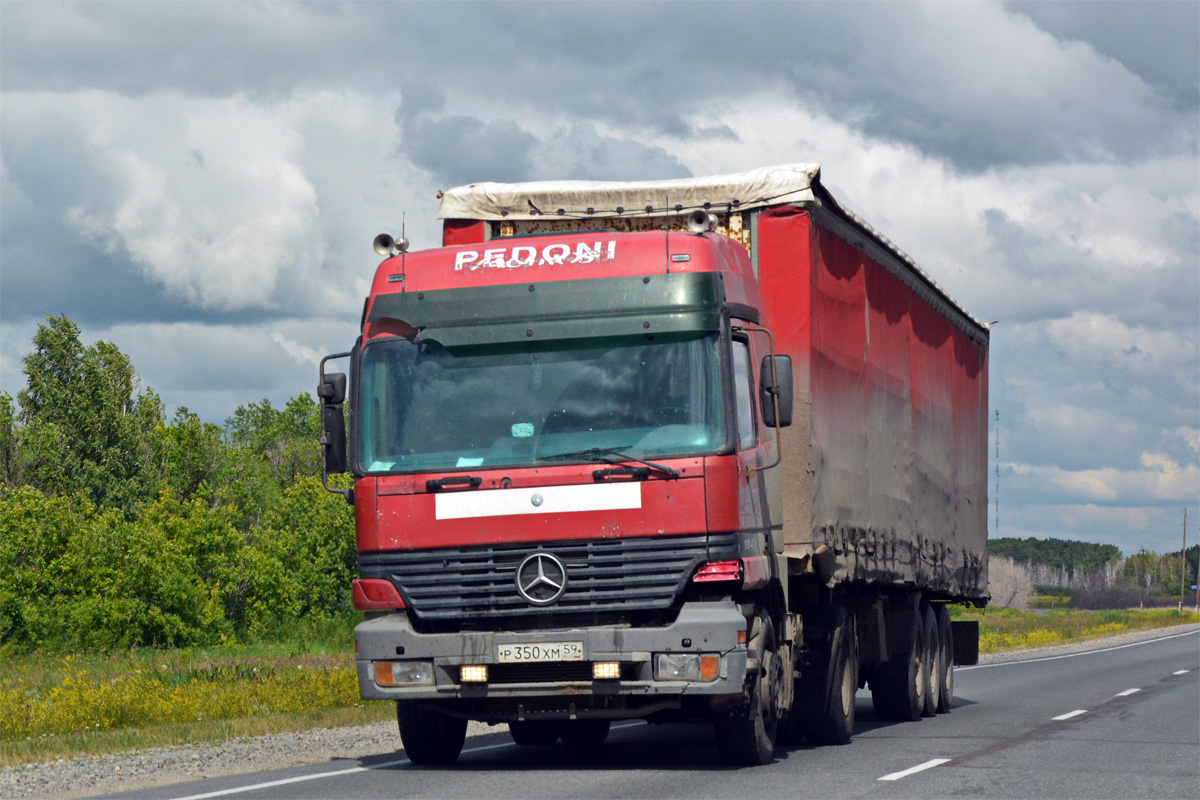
{"x": 604, "y": 577}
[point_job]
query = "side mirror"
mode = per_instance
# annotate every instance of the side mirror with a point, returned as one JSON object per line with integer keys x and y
{"x": 332, "y": 390}
{"x": 768, "y": 390}
{"x": 332, "y": 393}
{"x": 333, "y": 438}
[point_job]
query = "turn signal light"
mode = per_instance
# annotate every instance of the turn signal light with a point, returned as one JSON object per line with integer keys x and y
{"x": 404, "y": 673}
{"x": 686, "y": 667}
{"x": 718, "y": 571}
{"x": 474, "y": 673}
{"x": 375, "y": 594}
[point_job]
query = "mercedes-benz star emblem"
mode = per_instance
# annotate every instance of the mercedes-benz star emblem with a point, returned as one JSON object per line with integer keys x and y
{"x": 541, "y": 579}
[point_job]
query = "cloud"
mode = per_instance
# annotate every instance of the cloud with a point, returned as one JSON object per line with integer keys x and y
{"x": 1104, "y": 341}
{"x": 230, "y": 365}
{"x": 458, "y": 149}
{"x": 1160, "y": 479}
{"x": 305, "y": 355}
{"x": 179, "y": 207}
{"x": 1125, "y": 32}
{"x": 977, "y": 84}
{"x": 217, "y": 215}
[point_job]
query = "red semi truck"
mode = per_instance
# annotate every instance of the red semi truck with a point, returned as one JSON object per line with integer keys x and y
{"x": 708, "y": 449}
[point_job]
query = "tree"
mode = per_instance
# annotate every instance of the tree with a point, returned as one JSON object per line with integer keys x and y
{"x": 1008, "y": 583}
{"x": 87, "y": 426}
{"x": 9, "y": 452}
{"x": 286, "y": 438}
{"x": 1068, "y": 554}
{"x": 190, "y": 454}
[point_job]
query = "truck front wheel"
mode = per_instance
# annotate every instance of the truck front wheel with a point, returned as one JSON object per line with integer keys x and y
{"x": 429, "y": 736}
{"x": 746, "y": 733}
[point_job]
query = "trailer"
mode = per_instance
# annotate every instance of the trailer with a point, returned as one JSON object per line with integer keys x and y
{"x": 709, "y": 449}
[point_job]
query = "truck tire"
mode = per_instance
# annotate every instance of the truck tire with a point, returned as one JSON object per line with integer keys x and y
{"x": 933, "y": 661}
{"x": 583, "y": 732}
{"x": 899, "y": 685}
{"x": 945, "y": 675}
{"x": 429, "y": 736}
{"x": 825, "y": 691}
{"x": 534, "y": 733}
{"x": 746, "y": 732}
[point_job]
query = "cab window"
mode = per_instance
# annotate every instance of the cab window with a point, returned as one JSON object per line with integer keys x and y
{"x": 744, "y": 390}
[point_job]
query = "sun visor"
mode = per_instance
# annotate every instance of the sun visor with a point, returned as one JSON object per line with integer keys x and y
{"x": 620, "y": 306}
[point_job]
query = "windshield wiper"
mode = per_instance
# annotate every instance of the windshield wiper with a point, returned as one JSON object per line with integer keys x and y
{"x": 615, "y": 456}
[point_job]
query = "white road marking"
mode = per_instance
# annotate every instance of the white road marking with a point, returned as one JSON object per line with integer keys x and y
{"x": 317, "y": 776}
{"x": 895, "y": 776}
{"x": 286, "y": 781}
{"x": 1127, "y": 692}
{"x": 1076, "y": 655}
{"x": 1069, "y": 714}
{"x": 1181, "y": 672}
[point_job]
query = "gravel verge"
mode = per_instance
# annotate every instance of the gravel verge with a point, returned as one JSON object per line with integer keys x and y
{"x": 83, "y": 777}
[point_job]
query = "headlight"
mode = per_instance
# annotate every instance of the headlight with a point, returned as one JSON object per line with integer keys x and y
{"x": 686, "y": 667}
{"x": 404, "y": 673}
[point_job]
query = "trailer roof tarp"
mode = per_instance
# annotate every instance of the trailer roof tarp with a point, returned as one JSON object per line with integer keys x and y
{"x": 789, "y": 183}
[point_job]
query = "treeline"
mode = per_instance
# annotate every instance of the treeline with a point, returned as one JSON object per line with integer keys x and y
{"x": 119, "y": 527}
{"x": 1064, "y": 553}
{"x": 1089, "y": 576}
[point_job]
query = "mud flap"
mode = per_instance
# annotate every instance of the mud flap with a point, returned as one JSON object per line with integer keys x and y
{"x": 966, "y": 642}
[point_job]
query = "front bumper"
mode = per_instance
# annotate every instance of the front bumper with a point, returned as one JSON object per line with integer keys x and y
{"x": 701, "y": 627}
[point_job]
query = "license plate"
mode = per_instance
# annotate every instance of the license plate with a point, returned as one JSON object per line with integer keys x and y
{"x": 543, "y": 651}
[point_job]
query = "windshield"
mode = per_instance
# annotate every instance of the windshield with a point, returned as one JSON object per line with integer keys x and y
{"x": 424, "y": 407}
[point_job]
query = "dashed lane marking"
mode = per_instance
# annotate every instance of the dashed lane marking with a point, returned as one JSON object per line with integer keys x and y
{"x": 1069, "y": 714}
{"x": 1127, "y": 692}
{"x": 895, "y": 776}
{"x": 1181, "y": 672}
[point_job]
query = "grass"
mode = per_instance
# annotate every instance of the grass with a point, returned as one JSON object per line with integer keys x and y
{"x": 49, "y": 748}
{"x": 1004, "y": 629}
{"x": 55, "y": 706}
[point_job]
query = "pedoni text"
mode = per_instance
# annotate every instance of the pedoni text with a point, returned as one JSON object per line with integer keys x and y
{"x": 526, "y": 256}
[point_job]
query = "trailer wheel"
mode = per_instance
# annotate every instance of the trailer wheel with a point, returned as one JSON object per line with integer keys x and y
{"x": 899, "y": 685}
{"x": 825, "y": 691}
{"x": 583, "y": 732}
{"x": 746, "y": 732}
{"x": 429, "y": 736}
{"x": 535, "y": 733}
{"x": 933, "y": 661}
{"x": 945, "y": 674}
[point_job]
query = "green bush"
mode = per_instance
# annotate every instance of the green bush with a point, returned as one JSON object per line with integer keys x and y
{"x": 73, "y": 577}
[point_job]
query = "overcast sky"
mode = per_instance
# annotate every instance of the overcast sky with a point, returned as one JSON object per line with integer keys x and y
{"x": 200, "y": 183}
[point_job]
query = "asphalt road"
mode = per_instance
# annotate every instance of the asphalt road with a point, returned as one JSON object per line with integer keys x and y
{"x": 1122, "y": 722}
